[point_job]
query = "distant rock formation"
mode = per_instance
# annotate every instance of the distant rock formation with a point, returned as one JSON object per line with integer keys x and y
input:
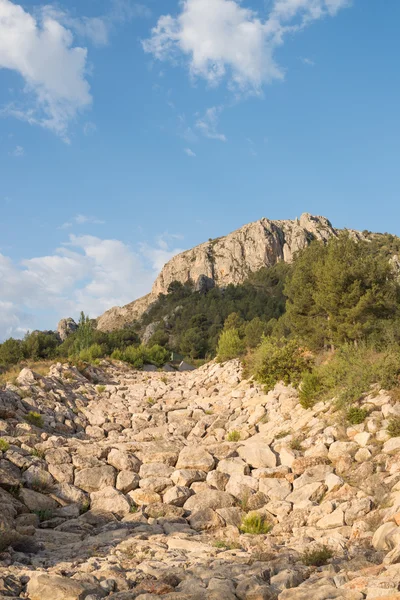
{"x": 228, "y": 259}
{"x": 66, "y": 327}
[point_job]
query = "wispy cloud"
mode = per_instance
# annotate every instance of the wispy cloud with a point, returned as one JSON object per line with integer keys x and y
{"x": 81, "y": 220}
{"x": 222, "y": 40}
{"x": 18, "y": 152}
{"x": 307, "y": 61}
{"x": 208, "y": 124}
{"x": 190, "y": 152}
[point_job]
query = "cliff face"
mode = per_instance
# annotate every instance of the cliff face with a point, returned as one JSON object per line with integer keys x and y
{"x": 229, "y": 259}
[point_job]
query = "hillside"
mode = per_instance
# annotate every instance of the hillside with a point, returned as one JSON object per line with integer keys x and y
{"x": 228, "y": 260}
{"x": 193, "y": 486}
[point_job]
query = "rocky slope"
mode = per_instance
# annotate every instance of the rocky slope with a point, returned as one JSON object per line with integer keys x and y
{"x": 228, "y": 259}
{"x": 125, "y": 485}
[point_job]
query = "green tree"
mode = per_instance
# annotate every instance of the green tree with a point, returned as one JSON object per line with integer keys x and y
{"x": 339, "y": 292}
{"x": 11, "y": 352}
{"x": 234, "y": 321}
{"x": 253, "y": 332}
{"x": 193, "y": 343}
{"x": 230, "y": 345}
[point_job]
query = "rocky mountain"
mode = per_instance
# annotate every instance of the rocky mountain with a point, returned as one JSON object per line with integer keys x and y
{"x": 121, "y": 484}
{"x": 228, "y": 259}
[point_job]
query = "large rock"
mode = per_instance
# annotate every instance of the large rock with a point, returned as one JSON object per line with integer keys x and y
{"x": 257, "y": 455}
{"x": 53, "y": 587}
{"x": 65, "y": 327}
{"x": 210, "y": 499}
{"x": 192, "y": 457}
{"x": 109, "y": 500}
{"x": 96, "y": 478}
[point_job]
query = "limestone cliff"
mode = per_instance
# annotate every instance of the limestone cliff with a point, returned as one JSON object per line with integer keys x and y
{"x": 229, "y": 259}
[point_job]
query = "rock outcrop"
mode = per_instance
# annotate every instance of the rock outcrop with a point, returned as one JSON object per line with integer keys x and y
{"x": 66, "y": 327}
{"x": 228, "y": 259}
{"x": 192, "y": 486}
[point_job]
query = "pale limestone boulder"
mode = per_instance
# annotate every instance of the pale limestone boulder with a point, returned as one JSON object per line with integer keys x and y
{"x": 127, "y": 481}
{"x": 10, "y": 475}
{"x": 286, "y": 456}
{"x": 42, "y": 586}
{"x": 143, "y": 497}
{"x": 275, "y": 489}
{"x": 217, "y": 480}
{"x": 123, "y": 461}
{"x": 70, "y": 494}
{"x": 362, "y": 439}
{"x": 37, "y": 477}
{"x": 242, "y": 486}
{"x": 63, "y": 473}
{"x": 333, "y": 520}
{"x": 339, "y": 449}
{"x": 386, "y": 537}
{"x": 320, "y": 592}
{"x": 108, "y": 499}
{"x": 57, "y": 456}
{"x": 209, "y": 499}
{"x": 392, "y": 446}
{"x": 362, "y": 455}
{"x": 155, "y": 469}
{"x": 333, "y": 482}
{"x": 36, "y": 501}
{"x": 186, "y": 477}
{"x": 95, "y": 478}
{"x": 155, "y": 484}
{"x": 233, "y": 466}
{"x": 206, "y": 519}
{"x": 311, "y": 492}
{"x": 177, "y": 495}
{"x": 257, "y": 455}
{"x": 193, "y": 457}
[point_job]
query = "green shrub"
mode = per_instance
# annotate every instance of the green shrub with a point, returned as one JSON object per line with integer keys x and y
{"x": 38, "y": 453}
{"x": 311, "y": 389}
{"x": 157, "y": 355}
{"x": 229, "y": 345}
{"x": 100, "y": 389}
{"x": 255, "y": 524}
{"x": 4, "y": 446}
{"x": 34, "y": 418}
{"x": 93, "y": 353}
{"x": 317, "y": 557}
{"x": 135, "y": 356}
{"x": 296, "y": 444}
{"x": 117, "y": 355}
{"x": 44, "y": 515}
{"x": 356, "y": 415}
{"x": 278, "y": 359}
{"x": 393, "y": 427}
{"x": 233, "y": 436}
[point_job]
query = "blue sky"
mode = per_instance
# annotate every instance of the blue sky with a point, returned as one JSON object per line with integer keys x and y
{"x": 130, "y": 131}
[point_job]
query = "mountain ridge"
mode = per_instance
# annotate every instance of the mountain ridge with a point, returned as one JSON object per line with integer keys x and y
{"x": 229, "y": 259}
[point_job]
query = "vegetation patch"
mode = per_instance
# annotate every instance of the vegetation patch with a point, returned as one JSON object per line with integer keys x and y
{"x": 316, "y": 557}
{"x": 393, "y": 427}
{"x": 255, "y": 524}
{"x": 4, "y": 446}
{"x": 233, "y": 436}
{"x": 35, "y": 419}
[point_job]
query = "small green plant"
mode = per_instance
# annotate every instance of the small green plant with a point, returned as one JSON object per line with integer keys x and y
{"x": 35, "y": 419}
{"x": 164, "y": 379}
{"x": 4, "y": 446}
{"x": 255, "y": 524}
{"x": 282, "y": 434}
{"x": 100, "y": 389}
{"x": 226, "y": 546}
{"x": 209, "y": 412}
{"x": 393, "y": 427}
{"x": 133, "y": 509}
{"x": 44, "y": 515}
{"x": 84, "y": 507}
{"x": 150, "y": 401}
{"x": 15, "y": 490}
{"x": 295, "y": 444}
{"x": 317, "y": 557}
{"x": 40, "y": 485}
{"x": 355, "y": 415}
{"x": 233, "y": 436}
{"x": 38, "y": 453}
{"x": 310, "y": 390}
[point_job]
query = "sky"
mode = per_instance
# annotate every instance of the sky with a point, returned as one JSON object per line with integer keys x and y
{"x": 132, "y": 131}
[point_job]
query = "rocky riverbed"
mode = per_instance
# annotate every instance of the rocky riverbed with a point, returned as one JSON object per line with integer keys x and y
{"x": 122, "y": 484}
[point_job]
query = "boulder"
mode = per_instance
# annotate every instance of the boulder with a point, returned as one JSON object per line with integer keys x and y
{"x": 110, "y": 500}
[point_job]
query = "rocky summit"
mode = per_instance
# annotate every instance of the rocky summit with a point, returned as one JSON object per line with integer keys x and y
{"x": 122, "y": 484}
{"x": 228, "y": 259}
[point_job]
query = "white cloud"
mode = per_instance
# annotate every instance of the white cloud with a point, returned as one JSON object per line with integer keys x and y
{"x": 53, "y": 70}
{"x": 18, "y": 152}
{"x": 307, "y": 61}
{"x": 89, "y": 128}
{"x": 208, "y": 124}
{"x": 221, "y": 39}
{"x": 87, "y": 273}
{"x": 81, "y": 220}
{"x": 190, "y": 152}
